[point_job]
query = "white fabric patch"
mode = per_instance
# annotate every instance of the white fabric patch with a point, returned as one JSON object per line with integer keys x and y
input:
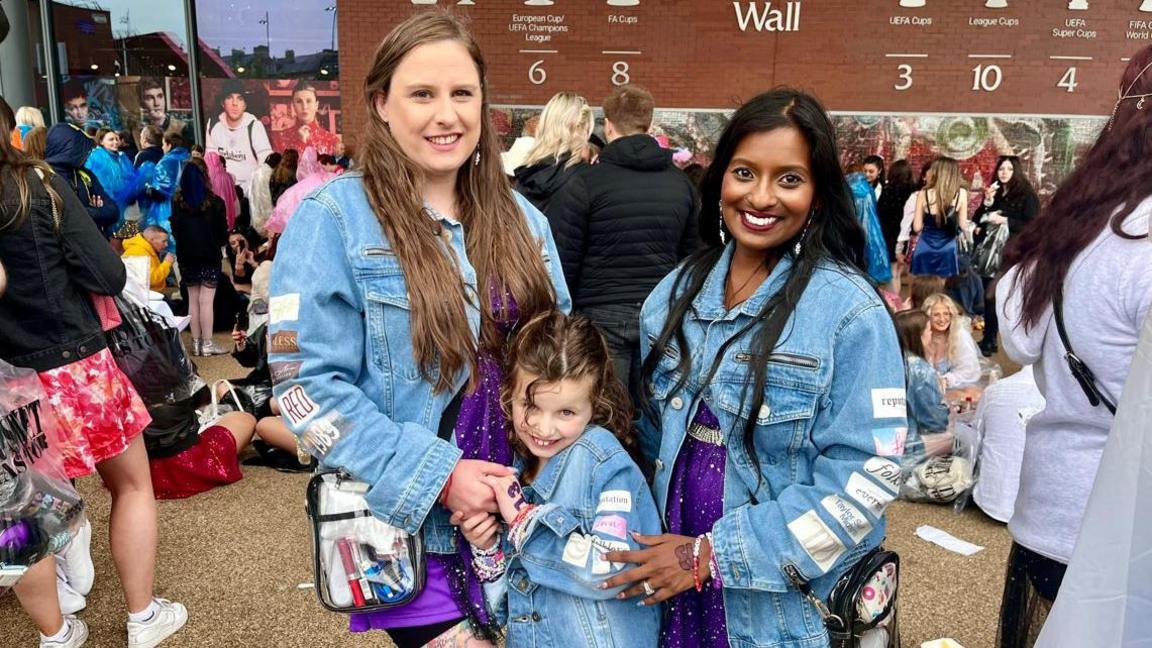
{"x": 849, "y": 517}
{"x": 868, "y": 494}
{"x": 615, "y": 500}
{"x": 889, "y": 403}
{"x": 821, "y": 544}
{"x": 885, "y": 471}
{"x": 296, "y": 406}
{"x": 600, "y": 564}
{"x": 284, "y": 308}
{"x": 577, "y": 549}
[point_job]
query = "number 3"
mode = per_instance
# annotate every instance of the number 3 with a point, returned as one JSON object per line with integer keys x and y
{"x": 905, "y": 76}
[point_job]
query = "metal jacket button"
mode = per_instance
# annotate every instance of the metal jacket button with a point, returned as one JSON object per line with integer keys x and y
{"x": 677, "y": 402}
{"x": 659, "y": 465}
{"x": 765, "y": 411}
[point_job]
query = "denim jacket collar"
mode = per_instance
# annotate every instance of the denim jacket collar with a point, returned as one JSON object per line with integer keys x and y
{"x": 544, "y": 485}
{"x": 709, "y": 303}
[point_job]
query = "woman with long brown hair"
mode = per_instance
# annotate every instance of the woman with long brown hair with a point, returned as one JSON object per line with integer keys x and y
{"x": 1083, "y": 263}
{"x": 56, "y": 257}
{"x": 391, "y": 300}
{"x": 941, "y": 214}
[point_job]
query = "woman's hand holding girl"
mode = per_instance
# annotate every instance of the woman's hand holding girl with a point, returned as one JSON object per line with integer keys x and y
{"x": 466, "y": 493}
{"x": 509, "y": 495}
{"x": 665, "y": 567}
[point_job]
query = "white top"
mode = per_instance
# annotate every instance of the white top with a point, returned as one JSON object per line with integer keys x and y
{"x": 1107, "y": 294}
{"x": 906, "y": 221}
{"x": 242, "y": 155}
{"x": 1003, "y": 412}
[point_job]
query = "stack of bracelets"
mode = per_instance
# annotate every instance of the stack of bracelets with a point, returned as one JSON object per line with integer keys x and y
{"x": 518, "y": 530}
{"x": 488, "y": 563}
{"x": 713, "y": 566}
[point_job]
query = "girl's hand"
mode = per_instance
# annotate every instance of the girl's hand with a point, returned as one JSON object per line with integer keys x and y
{"x": 509, "y": 495}
{"x": 480, "y": 530}
{"x": 467, "y": 493}
{"x": 666, "y": 566}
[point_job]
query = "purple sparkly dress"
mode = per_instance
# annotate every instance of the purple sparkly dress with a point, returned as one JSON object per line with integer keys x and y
{"x": 695, "y": 503}
{"x": 480, "y": 434}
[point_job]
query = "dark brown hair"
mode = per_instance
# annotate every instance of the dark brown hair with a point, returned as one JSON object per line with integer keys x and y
{"x": 285, "y": 172}
{"x": 174, "y": 139}
{"x": 1112, "y": 180}
{"x": 555, "y": 347}
{"x": 910, "y": 325}
{"x": 924, "y": 286}
{"x": 629, "y": 108}
{"x": 498, "y": 241}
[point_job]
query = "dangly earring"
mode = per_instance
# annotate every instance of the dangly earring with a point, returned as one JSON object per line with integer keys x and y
{"x": 799, "y": 247}
{"x": 723, "y": 238}
{"x": 476, "y": 160}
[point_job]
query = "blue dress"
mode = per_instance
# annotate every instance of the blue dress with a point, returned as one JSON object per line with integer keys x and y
{"x": 936, "y": 252}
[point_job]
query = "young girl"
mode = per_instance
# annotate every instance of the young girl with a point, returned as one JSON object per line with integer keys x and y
{"x": 927, "y": 411}
{"x": 579, "y": 495}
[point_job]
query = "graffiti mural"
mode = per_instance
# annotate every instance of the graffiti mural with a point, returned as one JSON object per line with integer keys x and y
{"x": 1049, "y": 147}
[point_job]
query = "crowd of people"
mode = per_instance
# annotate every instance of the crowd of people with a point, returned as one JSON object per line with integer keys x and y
{"x": 634, "y": 402}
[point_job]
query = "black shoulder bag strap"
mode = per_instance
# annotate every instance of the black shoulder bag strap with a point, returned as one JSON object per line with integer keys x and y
{"x": 1080, "y": 371}
{"x": 451, "y": 414}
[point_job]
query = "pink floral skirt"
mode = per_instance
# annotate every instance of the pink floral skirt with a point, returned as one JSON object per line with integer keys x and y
{"x": 99, "y": 409}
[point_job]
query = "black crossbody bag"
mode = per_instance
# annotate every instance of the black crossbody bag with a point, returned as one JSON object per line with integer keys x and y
{"x": 1079, "y": 369}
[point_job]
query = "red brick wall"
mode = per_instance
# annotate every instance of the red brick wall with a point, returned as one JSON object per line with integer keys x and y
{"x": 693, "y": 53}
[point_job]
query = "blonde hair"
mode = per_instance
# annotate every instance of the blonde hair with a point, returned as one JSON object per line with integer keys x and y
{"x": 958, "y": 326}
{"x": 564, "y": 128}
{"x": 30, "y": 116}
{"x": 945, "y": 180}
{"x": 497, "y": 239}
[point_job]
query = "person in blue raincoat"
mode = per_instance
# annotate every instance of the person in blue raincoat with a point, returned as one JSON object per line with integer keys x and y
{"x": 864, "y": 197}
{"x": 66, "y": 150}
{"x": 165, "y": 180}
{"x": 114, "y": 171}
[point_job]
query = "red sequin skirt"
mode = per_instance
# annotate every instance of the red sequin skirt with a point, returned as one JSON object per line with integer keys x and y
{"x": 210, "y": 463}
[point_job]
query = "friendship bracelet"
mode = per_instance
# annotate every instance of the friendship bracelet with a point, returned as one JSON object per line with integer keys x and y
{"x": 519, "y": 527}
{"x": 714, "y": 564}
{"x": 696, "y": 562}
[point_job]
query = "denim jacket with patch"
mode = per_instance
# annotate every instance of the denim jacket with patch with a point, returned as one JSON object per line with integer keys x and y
{"x": 832, "y": 422}
{"x": 590, "y": 495}
{"x": 341, "y": 357}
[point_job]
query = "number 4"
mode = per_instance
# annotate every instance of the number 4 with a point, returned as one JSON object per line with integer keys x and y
{"x": 1068, "y": 80}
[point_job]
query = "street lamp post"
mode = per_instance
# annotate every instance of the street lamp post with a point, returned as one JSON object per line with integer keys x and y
{"x": 332, "y": 9}
{"x": 268, "y": 42}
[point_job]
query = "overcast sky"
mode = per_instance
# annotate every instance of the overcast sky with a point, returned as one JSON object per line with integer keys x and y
{"x": 302, "y": 25}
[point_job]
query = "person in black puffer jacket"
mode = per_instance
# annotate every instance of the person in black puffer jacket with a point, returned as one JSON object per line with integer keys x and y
{"x": 560, "y": 150}
{"x": 622, "y": 225}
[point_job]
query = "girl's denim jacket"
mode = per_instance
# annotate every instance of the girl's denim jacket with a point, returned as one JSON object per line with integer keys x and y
{"x": 590, "y": 496}
{"x": 833, "y": 421}
{"x": 927, "y": 411}
{"x": 340, "y": 351}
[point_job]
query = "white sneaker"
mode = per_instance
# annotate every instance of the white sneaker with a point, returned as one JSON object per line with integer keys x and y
{"x": 169, "y": 618}
{"x": 71, "y": 601}
{"x": 74, "y": 561}
{"x": 209, "y": 348}
{"x": 77, "y": 635}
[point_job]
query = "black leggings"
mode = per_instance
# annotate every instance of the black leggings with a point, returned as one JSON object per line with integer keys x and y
{"x": 1030, "y": 587}
{"x": 418, "y": 636}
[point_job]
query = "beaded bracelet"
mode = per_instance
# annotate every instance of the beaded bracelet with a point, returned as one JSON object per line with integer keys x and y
{"x": 714, "y": 564}
{"x": 488, "y": 563}
{"x": 519, "y": 527}
{"x": 696, "y": 562}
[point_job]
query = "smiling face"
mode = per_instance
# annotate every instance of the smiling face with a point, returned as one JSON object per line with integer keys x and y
{"x": 767, "y": 191}
{"x": 111, "y": 142}
{"x": 304, "y": 105}
{"x": 433, "y": 106}
{"x": 871, "y": 172}
{"x": 940, "y": 317}
{"x": 555, "y": 416}
{"x": 1004, "y": 172}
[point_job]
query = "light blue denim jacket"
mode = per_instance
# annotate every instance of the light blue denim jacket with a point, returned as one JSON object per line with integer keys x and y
{"x": 341, "y": 354}
{"x": 832, "y": 420}
{"x": 590, "y": 495}
{"x": 927, "y": 411}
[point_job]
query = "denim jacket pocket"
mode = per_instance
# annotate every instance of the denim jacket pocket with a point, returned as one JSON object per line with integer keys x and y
{"x": 791, "y": 398}
{"x": 667, "y": 374}
{"x": 388, "y": 315}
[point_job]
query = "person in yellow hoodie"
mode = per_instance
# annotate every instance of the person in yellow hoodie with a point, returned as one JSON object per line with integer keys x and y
{"x": 150, "y": 243}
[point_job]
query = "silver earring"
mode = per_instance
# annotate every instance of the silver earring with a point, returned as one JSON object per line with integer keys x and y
{"x": 476, "y": 160}
{"x": 723, "y": 238}
{"x": 799, "y": 247}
